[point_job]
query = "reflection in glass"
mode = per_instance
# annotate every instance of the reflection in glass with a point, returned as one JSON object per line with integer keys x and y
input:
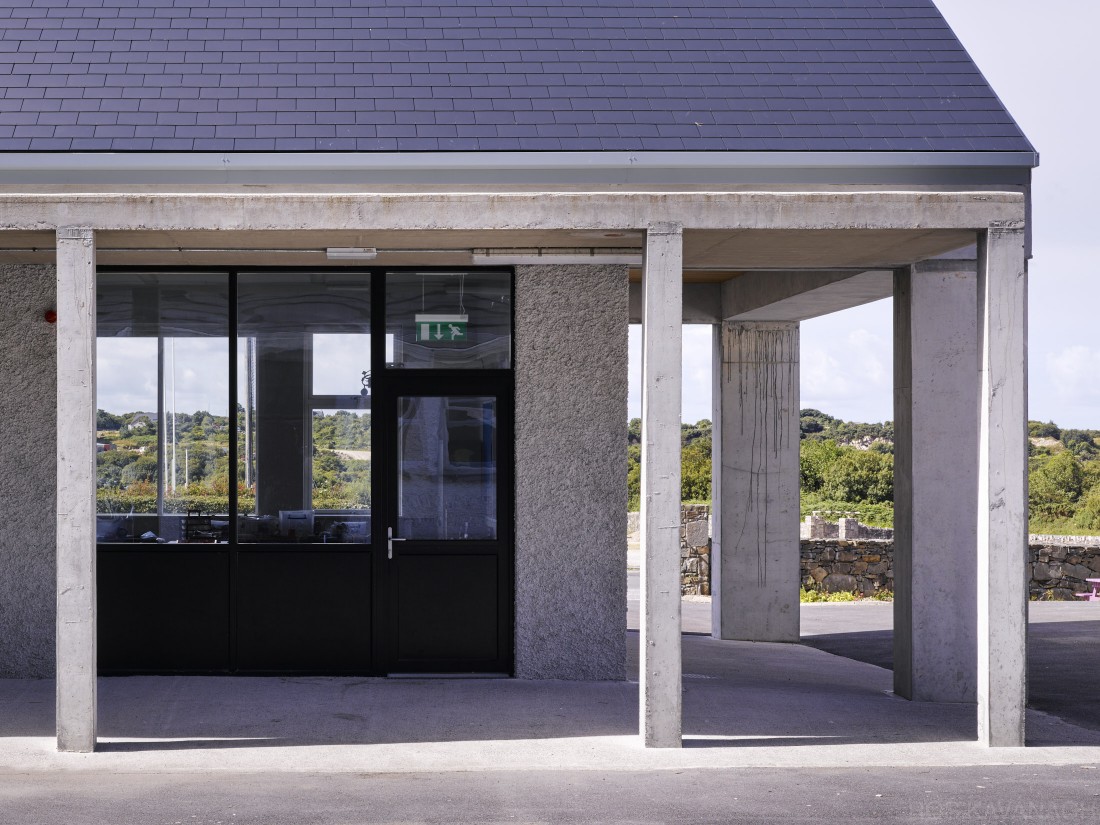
{"x": 304, "y": 354}
{"x": 162, "y": 434}
{"x": 449, "y": 320}
{"x": 447, "y": 468}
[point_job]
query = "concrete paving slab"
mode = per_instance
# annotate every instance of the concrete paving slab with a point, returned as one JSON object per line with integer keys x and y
{"x": 745, "y": 705}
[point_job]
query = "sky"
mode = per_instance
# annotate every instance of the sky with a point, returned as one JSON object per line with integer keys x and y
{"x": 1042, "y": 60}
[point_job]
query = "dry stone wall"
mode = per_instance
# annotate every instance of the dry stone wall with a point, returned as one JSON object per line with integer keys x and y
{"x": 1058, "y": 571}
{"x": 1059, "y": 565}
{"x": 863, "y": 566}
{"x": 695, "y": 550}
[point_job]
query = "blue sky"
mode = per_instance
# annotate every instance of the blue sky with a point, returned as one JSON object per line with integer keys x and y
{"x": 1042, "y": 60}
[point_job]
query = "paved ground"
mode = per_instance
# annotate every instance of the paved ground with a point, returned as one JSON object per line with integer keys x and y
{"x": 1063, "y": 645}
{"x": 783, "y": 733}
{"x": 995, "y": 795}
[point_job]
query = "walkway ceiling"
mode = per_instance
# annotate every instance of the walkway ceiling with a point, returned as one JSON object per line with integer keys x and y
{"x": 709, "y": 255}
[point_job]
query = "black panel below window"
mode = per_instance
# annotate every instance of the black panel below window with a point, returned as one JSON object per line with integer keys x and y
{"x": 163, "y": 611}
{"x": 448, "y": 615}
{"x": 304, "y": 611}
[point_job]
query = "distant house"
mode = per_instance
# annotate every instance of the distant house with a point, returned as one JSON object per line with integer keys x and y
{"x": 142, "y": 421}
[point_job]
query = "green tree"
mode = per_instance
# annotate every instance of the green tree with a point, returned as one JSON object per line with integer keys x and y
{"x": 859, "y": 476}
{"x": 814, "y": 457}
{"x": 1055, "y": 486}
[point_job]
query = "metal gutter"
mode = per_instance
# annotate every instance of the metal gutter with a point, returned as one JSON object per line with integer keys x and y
{"x": 516, "y": 167}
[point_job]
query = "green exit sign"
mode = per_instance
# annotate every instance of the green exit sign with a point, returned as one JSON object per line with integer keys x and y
{"x": 441, "y": 329}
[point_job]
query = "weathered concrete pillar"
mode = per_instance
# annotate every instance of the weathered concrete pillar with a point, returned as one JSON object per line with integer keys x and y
{"x": 660, "y": 662}
{"x": 1002, "y": 488}
{"x": 76, "y": 477}
{"x": 754, "y": 559}
{"x": 935, "y": 486}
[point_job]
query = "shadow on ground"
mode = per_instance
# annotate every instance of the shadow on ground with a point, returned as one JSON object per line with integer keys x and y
{"x": 1063, "y": 664}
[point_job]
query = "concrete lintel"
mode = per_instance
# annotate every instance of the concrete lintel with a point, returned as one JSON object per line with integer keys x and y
{"x": 76, "y": 484}
{"x": 659, "y": 688}
{"x": 947, "y": 265}
{"x": 1002, "y": 489}
{"x": 853, "y": 208}
{"x": 798, "y": 296}
{"x": 700, "y": 303}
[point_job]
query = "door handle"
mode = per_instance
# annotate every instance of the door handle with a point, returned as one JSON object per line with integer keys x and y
{"x": 390, "y": 539}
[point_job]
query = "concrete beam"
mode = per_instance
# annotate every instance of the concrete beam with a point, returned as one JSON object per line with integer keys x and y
{"x": 798, "y": 296}
{"x": 659, "y": 687}
{"x": 700, "y": 303}
{"x": 808, "y": 209}
{"x": 76, "y": 480}
{"x": 754, "y": 554}
{"x": 935, "y": 493}
{"x": 1002, "y": 489}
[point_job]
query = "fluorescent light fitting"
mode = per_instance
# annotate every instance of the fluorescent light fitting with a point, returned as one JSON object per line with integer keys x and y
{"x": 630, "y": 259}
{"x": 351, "y": 253}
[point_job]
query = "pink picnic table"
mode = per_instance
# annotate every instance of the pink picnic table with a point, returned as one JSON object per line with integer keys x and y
{"x": 1094, "y": 595}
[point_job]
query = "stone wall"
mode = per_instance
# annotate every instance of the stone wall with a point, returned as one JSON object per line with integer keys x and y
{"x": 28, "y": 472}
{"x": 1059, "y": 570}
{"x": 695, "y": 550}
{"x": 837, "y": 565}
{"x": 1059, "y": 564}
{"x": 816, "y": 526}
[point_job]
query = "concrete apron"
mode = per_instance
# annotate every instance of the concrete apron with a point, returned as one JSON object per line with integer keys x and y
{"x": 745, "y": 705}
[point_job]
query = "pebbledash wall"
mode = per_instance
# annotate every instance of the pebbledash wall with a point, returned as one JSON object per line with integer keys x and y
{"x": 28, "y": 416}
{"x": 571, "y": 428}
{"x": 571, "y": 424}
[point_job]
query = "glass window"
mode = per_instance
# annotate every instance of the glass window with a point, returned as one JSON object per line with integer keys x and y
{"x": 449, "y": 320}
{"x": 447, "y": 467}
{"x": 303, "y": 384}
{"x": 162, "y": 430}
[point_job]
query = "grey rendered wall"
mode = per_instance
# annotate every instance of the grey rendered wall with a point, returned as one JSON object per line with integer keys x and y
{"x": 27, "y": 472}
{"x": 571, "y": 386}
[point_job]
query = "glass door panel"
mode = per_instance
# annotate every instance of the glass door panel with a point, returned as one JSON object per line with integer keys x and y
{"x": 447, "y": 468}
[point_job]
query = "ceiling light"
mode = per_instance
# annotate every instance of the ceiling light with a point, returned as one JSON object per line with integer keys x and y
{"x": 351, "y": 253}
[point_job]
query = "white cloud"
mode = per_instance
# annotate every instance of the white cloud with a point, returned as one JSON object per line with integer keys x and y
{"x": 1075, "y": 374}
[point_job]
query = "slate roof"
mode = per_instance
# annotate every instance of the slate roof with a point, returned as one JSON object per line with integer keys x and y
{"x": 491, "y": 75}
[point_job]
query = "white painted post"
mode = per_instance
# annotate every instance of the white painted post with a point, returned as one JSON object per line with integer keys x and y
{"x": 76, "y": 506}
{"x": 935, "y": 494}
{"x": 1002, "y": 489}
{"x": 660, "y": 677}
{"x": 755, "y": 483}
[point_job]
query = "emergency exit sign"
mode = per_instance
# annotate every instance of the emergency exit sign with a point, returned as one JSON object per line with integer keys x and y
{"x": 441, "y": 329}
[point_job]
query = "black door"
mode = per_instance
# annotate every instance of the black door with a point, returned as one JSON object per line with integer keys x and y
{"x": 446, "y": 526}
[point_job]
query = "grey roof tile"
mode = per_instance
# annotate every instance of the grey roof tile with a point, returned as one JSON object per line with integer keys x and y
{"x": 460, "y": 75}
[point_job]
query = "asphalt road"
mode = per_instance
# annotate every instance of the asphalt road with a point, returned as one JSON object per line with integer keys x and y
{"x": 998, "y": 795}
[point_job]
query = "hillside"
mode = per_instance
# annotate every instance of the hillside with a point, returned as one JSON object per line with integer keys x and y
{"x": 849, "y": 466}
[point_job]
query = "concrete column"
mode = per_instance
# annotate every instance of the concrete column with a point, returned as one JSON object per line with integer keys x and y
{"x": 935, "y": 486}
{"x": 76, "y": 477}
{"x": 1002, "y": 489}
{"x": 754, "y": 556}
{"x": 660, "y": 663}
